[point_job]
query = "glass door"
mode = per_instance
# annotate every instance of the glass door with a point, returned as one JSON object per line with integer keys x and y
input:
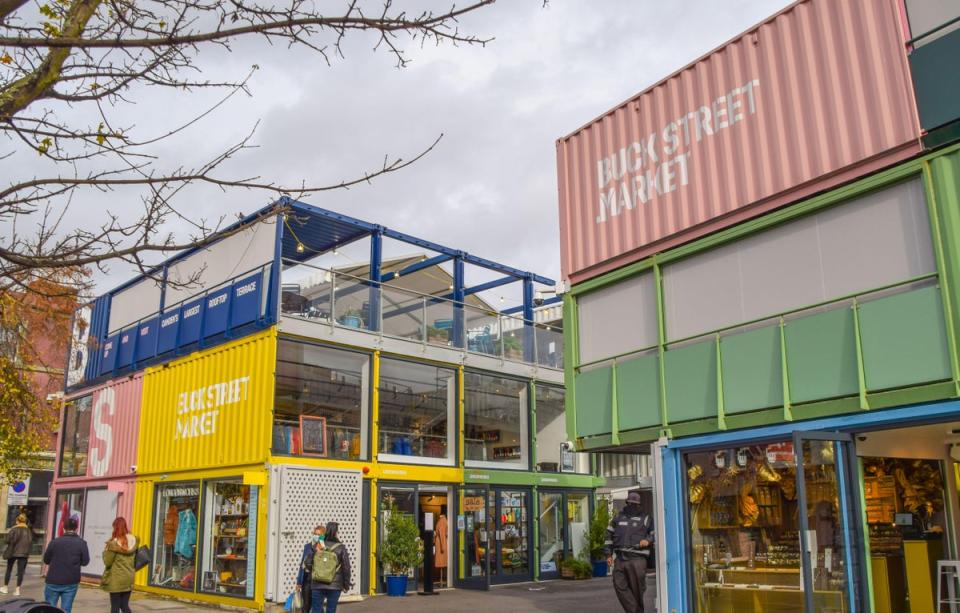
{"x": 829, "y": 542}
{"x": 551, "y": 532}
{"x": 475, "y": 530}
{"x": 511, "y": 559}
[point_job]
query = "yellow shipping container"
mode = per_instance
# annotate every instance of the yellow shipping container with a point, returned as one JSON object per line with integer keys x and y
{"x": 212, "y": 408}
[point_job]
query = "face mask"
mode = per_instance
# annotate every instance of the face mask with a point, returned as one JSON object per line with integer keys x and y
{"x": 317, "y": 538}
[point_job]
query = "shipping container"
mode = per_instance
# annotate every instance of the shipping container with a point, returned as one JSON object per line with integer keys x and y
{"x": 211, "y": 408}
{"x": 815, "y": 96}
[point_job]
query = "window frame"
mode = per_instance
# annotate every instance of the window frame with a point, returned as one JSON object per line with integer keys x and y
{"x": 63, "y": 437}
{"x": 366, "y": 399}
{"x": 524, "y": 436}
{"x": 453, "y": 415}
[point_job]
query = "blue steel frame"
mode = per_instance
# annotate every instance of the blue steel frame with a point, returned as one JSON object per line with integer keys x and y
{"x": 675, "y": 535}
{"x": 352, "y": 229}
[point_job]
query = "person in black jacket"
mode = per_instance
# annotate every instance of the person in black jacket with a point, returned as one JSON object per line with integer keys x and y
{"x": 629, "y": 544}
{"x": 330, "y": 592}
{"x": 65, "y": 555}
{"x": 19, "y": 540}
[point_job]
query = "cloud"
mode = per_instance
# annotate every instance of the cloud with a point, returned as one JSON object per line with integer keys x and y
{"x": 490, "y": 186}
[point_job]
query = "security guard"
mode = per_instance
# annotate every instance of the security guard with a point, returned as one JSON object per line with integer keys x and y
{"x": 629, "y": 539}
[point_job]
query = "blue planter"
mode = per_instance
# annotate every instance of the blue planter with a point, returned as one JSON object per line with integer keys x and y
{"x": 600, "y": 568}
{"x": 396, "y": 585}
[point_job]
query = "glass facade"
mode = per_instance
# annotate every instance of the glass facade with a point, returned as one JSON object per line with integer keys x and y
{"x": 69, "y": 504}
{"x": 175, "y": 535}
{"x": 552, "y": 454}
{"x": 229, "y": 538}
{"x": 76, "y": 437}
{"x": 321, "y": 402}
{"x": 495, "y": 421}
{"x": 750, "y": 529}
{"x": 417, "y": 412}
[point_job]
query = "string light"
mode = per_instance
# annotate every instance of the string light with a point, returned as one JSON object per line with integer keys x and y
{"x": 300, "y": 247}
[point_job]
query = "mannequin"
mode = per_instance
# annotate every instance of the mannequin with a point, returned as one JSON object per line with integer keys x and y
{"x": 440, "y": 541}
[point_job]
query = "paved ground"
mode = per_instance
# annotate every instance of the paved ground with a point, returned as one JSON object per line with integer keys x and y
{"x": 595, "y": 595}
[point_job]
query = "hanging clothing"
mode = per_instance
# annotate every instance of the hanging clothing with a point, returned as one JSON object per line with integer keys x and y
{"x": 186, "y": 534}
{"x": 170, "y": 524}
{"x": 440, "y": 543}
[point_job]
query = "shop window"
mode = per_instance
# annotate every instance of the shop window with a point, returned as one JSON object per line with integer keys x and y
{"x": 745, "y": 527}
{"x": 876, "y": 240}
{"x": 553, "y": 453}
{"x": 417, "y": 412}
{"x": 321, "y": 402}
{"x": 229, "y": 538}
{"x": 495, "y": 421}
{"x": 75, "y": 437}
{"x": 617, "y": 319}
{"x": 69, "y": 504}
{"x": 175, "y": 536}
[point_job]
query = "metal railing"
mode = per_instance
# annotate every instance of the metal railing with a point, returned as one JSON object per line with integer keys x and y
{"x": 342, "y": 300}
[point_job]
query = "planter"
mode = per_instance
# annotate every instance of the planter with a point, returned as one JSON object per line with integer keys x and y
{"x": 566, "y": 573}
{"x": 600, "y": 568}
{"x": 396, "y": 585}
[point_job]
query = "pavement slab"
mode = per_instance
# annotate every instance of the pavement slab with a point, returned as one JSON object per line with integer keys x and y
{"x": 595, "y": 595}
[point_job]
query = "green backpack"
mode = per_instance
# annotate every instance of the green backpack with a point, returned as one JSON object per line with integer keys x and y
{"x": 326, "y": 564}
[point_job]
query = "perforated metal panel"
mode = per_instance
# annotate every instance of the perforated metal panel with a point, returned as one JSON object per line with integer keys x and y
{"x": 305, "y": 498}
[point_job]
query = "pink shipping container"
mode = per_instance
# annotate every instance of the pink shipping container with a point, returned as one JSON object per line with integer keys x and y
{"x": 817, "y": 95}
{"x": 106, "y": 489}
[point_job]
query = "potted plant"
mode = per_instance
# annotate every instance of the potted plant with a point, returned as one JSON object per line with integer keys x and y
{"x": 437, "y": 335}
{"x": 598, "y": 538}
{"x": 401, "y": 551}
{"x": 352, "y": 318}
{"x": 575, "y": 568}
{"x": 511, "y": 347}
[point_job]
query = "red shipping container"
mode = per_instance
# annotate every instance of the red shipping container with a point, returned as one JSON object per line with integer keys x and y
{"x": 817, "y": 95}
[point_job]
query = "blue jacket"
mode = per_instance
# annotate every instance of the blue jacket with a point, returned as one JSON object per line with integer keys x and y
{"x": 186, "y": 542}
{"x": 65, "y": 555}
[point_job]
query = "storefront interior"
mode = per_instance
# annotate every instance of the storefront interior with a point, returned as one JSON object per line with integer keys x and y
{"x": 749, "y": 505}
{"x": 419, "y": 501}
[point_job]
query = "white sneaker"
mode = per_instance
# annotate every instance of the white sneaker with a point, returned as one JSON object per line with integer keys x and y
{"x": 3, "y": 589}
{"x": 16, "y": 592}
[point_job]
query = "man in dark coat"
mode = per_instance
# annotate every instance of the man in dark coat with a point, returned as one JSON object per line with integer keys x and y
{"x": 629, "y": 548}
{"x": 65, "y": 555}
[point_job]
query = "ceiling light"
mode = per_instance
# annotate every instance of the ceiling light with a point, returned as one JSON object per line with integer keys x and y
{"x": 300, "y": 247}
{"x": 334, "y": 251}
{"x": 451, "y": 287}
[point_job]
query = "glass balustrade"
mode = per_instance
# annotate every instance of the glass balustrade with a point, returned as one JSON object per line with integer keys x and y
{"x": 339, "y": 299}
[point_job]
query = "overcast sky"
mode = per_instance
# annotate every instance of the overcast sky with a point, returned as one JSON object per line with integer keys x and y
{"x": 490, "y": 186}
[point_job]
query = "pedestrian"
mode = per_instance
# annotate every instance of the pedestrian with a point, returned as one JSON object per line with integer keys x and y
{"x": 306, "y": 566}
{"x": 331, "y": 572}
{"x": 629, "y": 539}
{"x": 64, "y": 557}
{"x": 118, "y": 566}
{"x": 19, "y": 540}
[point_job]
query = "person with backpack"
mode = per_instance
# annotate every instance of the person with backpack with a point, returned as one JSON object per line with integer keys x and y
{"x": 118, "y": 561}
{"x": 19, "y": 539}
{"x": 64, "y": 557}
{"x": 331, "y": 572}
{"x": 306, "y": 567}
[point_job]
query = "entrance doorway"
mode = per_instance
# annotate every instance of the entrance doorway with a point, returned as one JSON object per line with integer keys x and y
{"x": 496, "y": 536}
{"x": 564, "y": 522}
{"x": 908, "y": 497}
{"x": 417, "y": 501}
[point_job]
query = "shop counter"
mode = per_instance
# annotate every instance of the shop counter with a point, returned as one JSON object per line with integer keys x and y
{"x": 921, "y": 561}
{"x": 717, "y": 598}
{"x": 889, "y": 590}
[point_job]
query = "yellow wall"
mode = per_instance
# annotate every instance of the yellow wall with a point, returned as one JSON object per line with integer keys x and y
{"x": 143, "y": 517}
{"x": 212, "y": 408}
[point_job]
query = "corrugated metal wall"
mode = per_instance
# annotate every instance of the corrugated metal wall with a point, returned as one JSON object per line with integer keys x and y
{"x": 114, "y": 427}
{"x": 212, "y": 408}
{"x": 816, "y": 95}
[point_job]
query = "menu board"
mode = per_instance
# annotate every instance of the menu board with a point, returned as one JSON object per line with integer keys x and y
{"x": 881, "y": 498}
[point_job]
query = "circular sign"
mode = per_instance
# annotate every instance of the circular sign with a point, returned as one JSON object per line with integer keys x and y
{"x": 19, "y": 487}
